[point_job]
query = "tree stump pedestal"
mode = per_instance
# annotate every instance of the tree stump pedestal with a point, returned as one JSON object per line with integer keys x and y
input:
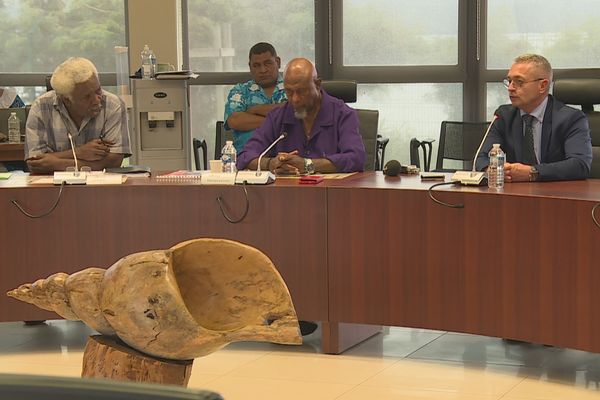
{"x": 108, "y": 357}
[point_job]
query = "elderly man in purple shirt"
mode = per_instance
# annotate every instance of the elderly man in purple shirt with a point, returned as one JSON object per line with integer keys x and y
{"x": 322, "y": 131}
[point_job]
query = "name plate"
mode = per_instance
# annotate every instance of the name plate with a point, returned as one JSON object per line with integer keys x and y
{"x": 218, "y": 178}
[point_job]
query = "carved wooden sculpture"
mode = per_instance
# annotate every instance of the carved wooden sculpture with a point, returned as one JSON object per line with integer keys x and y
{"x": 180, "y": 303}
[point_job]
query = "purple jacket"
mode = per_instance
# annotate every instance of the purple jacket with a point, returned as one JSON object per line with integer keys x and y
{"x": 335, "y": 136}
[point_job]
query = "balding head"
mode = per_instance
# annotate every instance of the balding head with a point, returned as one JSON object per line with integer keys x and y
{"x": 300, "y": 69}
{"x": 302, "y": 87}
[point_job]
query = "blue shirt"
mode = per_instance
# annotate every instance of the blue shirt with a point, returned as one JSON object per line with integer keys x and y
{"x": 334, "y": 136}
{"x": 245, "y": 95}
{"x": 538, "y": 120}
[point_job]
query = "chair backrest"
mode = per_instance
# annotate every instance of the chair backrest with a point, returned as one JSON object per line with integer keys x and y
{"x": 221, "y": 136}
{"x": 426, "y": 147}
{"x": 197, "y": 145}
{"x": 34, "y": 387}
{"x": 459, "y": 141}
{"x": 48, "y": 84}
{"x": 586, "y": 93}
{"x": 343, "y": 90}
{"x": 368, "y": 120}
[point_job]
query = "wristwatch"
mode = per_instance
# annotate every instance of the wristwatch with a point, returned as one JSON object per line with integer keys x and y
{"x": 309, "y": 167}
{"x": 533, "y": 174}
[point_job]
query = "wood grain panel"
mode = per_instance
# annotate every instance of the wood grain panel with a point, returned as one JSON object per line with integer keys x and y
{"x": 514, "y": 264}
{"x": 95, "y": 226}
{"x": 369, "y": 249}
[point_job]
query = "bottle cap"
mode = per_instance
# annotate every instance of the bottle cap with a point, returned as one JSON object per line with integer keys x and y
{"x": 229, "y": 142}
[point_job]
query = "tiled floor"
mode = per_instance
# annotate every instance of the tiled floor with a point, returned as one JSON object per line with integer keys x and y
{"x": 399, "y": 364}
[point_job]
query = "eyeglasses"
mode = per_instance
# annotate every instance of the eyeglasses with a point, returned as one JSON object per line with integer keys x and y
{"x": 517, "y": 83}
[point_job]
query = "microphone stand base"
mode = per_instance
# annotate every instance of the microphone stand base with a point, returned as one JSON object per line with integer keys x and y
{"x": 468, "y": 178}
{"x": 70, "y": 178}
{"x": 255, "y": 177}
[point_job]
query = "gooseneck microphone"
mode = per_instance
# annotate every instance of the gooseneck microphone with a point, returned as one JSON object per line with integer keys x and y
{"x": 68, "y": 177}
{"x": 259, "y": 177}
{"x": 279, "y": 138}
{"x": 474, "y": 177}
{"x": 74, "y": 155}
{"x": 482, "y": 141}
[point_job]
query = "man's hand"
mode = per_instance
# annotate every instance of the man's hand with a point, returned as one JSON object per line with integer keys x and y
{"x": 263, "y": 109}
{"x": 516, "y": 172}
{"x": 44, "y": 163}
{"x": 94, "y": 150}
{"x": 287, "y": 163}
{"x": 252, "y": 118}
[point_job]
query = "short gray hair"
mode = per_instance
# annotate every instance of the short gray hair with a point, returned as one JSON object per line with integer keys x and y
{"x": 71, "y": 72}
{"x": 539, "y": 61}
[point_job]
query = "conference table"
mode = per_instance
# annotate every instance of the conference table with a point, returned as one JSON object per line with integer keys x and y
{"x": 356, "y": 253}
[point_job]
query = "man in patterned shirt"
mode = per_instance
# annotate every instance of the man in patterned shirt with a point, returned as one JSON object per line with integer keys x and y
{"x": 248, "y": 103}
{"x": 96, "y": 120}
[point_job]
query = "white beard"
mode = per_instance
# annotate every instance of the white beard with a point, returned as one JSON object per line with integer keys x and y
{"x": 300, "y": 114}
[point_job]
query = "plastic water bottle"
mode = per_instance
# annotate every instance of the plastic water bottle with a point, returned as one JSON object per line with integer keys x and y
{"x": 496, "y": 167}
{"x": 229, "y": 157}
{"x": 14, "y": 128}
{"x": 148, "y": 63}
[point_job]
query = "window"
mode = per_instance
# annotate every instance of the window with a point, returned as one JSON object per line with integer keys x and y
{"x": 221, "y": 33}
{"x": 414, "y": 61}
{"x": 400, "y": 32}
{"x": 39, "y": 35}
{"x": 411, "y": 110}
{"x": 567, "y": 35}
{"x": 208, "y": 106}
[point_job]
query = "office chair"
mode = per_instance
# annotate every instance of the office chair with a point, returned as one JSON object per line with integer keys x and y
{"x": 34, "y": 387}
{"x": 197, "y": 145}
{"x": 368, "y": 123}
{"x": 458, "y": 142}
{"x": 426, "y": 147}
{"x": 586, "y": 93}
{"x": 48, "y": 84}
{"x": 221, "y": 136}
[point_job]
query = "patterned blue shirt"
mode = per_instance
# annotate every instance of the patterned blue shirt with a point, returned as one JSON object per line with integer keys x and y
{"x": 245, "y": 95}
{"x": 18, "y": 103}
{"x": 49, "y": 121}
{"x": 10, "y": 99}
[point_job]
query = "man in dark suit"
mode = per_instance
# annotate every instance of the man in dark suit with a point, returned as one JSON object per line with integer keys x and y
{"x": 544, "y": 140}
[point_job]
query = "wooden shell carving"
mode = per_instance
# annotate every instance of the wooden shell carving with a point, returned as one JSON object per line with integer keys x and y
{"x": 180, "y": 303}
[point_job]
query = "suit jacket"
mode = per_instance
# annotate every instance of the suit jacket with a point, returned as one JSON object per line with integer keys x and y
{"x": 566, "y": 146}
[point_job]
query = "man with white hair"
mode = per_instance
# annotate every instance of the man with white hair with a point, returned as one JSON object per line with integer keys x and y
{"x": 77, "y": 107}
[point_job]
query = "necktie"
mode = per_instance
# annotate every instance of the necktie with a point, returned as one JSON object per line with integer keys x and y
{"x": 529, "y": 157}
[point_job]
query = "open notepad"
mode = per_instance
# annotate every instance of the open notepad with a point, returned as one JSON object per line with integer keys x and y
{"x": 182, "y": 174}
